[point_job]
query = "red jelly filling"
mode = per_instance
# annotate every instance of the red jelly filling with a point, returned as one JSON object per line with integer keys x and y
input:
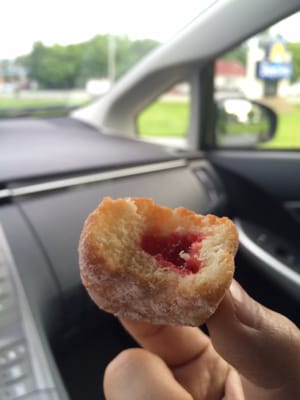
{"x": 176, "y": 250}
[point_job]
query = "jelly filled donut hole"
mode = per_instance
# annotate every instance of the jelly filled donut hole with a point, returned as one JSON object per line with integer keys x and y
{"x": 178, "y": 251}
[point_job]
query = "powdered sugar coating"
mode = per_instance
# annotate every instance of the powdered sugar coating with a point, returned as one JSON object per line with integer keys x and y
{"x": 135, "y": 301}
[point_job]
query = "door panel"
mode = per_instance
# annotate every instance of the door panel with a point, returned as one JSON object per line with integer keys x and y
{"x": 263, "y": 189}
{"x": 276, "y": 173}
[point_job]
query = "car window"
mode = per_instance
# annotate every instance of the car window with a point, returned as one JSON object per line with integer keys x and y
{"x": 266, "y": 70}
{"x": 56, "y": 55}
{"x": 167, "y": 118}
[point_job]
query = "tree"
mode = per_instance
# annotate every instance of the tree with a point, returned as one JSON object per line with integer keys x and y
{"x": 65, "y": 67}
{"x": 130, "y": 52}
{"x": 238, "y": 54}
{"x": 93, "y": 61}
{"x": 294, "y": 49}
{"x": 53, "y": 67}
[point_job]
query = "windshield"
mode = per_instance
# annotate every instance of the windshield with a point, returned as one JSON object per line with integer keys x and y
{"x": 62, "y": 54}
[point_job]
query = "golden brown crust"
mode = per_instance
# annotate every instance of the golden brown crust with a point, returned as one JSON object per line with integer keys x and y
{"x": 124, "y": 280}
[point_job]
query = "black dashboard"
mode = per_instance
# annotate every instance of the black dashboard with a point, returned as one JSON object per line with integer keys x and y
{"x": 43, "y": 148}
{"x": 52, "y": 175}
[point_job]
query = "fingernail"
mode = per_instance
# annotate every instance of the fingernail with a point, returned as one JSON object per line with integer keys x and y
{"x": 245, "y": 308}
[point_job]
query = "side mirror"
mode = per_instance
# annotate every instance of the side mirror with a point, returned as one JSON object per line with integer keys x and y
{"x": 243, "y": 123}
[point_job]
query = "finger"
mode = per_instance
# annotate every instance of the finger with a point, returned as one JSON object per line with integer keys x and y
{"x": 204, "y": 377}
{"x": 188, "y": 352}
{"x": 136, "y": 374}
{"x": 262, "y": 345}
{"x": 176, "y": 345}
{"x": 233, "y": 388}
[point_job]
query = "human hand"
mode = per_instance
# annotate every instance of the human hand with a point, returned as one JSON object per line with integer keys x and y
{"x": 253, "y": 354}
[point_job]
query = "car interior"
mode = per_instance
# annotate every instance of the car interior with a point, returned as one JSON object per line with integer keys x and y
{"x": 54, "y": 342}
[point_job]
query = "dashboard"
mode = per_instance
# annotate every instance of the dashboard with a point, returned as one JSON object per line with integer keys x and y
{"x": 44, "y": 202}
{"x": 54, "y": 343}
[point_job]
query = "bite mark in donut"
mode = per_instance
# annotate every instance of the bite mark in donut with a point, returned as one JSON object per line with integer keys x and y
{"x": 177, "y": 251}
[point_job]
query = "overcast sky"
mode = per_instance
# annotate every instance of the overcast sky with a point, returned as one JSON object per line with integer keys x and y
{"x": 71, "y": 21}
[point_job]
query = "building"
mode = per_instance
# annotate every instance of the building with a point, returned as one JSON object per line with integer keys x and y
{"x": 229, "y": 76}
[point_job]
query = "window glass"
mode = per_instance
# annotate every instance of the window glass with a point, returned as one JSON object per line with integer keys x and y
{"x": 266, "y": 70}
{"x": 167, "y": 117}
{"x": 60, "y": 54}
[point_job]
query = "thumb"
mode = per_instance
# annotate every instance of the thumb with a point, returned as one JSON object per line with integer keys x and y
{"x": 262, "y": 345}
{"x": 138, "y": 374}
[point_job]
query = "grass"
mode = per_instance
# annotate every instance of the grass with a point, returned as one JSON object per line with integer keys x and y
{"x": 287, "y": 135}
{"x": 19, "y": 103}
{"x": 164, "y": 119}
{"x": 170, "y": 119}
{"x": 14, "y": 107}
{"x": 238, "y": 128}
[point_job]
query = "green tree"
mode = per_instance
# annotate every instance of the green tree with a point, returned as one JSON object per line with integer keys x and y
{"x": 294, "y": 49}
{"x": 130, "y": 52}
{"x": 93, "y": 61}
{"x": 238, "y": 54}
{"x": 55, "y": 66}
{"x": 65, "y": 67}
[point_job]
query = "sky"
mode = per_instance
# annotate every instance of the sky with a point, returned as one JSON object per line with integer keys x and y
{"x": 64, "y": 21}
